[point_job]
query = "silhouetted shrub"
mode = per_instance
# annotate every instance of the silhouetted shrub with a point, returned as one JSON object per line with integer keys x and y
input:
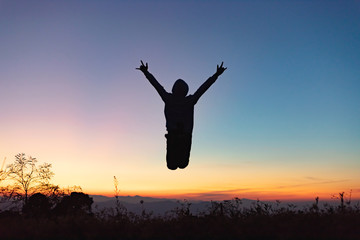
{"x": 74, "y": 204}
{"x": 38, "y": 205}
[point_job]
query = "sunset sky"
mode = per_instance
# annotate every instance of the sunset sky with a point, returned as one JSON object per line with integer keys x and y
{"x": 282, "y": 122}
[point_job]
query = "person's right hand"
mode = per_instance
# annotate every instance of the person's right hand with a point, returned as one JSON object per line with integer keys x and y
{"x": 220, "y": 70}
{"x": 143, "y": 67}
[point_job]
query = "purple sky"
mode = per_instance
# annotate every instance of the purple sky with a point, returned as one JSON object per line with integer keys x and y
{"x": 286, "y": 112}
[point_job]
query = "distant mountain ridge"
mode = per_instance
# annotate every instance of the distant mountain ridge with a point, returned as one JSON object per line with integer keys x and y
{"x": 160, "y": 206}
{"x": 129, "y": 199}
{"x": 157, "y": 206}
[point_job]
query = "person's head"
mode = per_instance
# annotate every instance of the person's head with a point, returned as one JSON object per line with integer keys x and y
{"x": 180, "y": 88}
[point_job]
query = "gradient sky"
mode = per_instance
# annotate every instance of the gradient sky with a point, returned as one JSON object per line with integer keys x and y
{"x": 282, "y": 122}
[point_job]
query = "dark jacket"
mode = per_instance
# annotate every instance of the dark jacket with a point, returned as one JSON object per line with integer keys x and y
{"x": 179, "y": 110}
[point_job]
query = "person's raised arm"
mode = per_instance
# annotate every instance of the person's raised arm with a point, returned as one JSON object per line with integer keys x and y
{"x": 205, "y": 86}
{"x": 160, "y": 89}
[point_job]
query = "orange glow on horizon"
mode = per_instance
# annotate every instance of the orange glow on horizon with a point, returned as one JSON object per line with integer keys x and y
{"x": 224, "y": 195}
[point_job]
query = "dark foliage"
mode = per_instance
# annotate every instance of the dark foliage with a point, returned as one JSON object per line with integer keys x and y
{"x": 77, "y": 203}
{"x": 71, "y": 218}
{"x": 37, "y": 206}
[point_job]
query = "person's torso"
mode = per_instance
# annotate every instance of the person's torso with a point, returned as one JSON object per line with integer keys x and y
{"x": 179, "y": 114}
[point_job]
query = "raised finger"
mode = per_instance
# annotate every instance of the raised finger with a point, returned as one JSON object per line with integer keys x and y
{"x": 146, "y": 65}
{"x": 142, "y": 62}
{"x": 221, "y": 64}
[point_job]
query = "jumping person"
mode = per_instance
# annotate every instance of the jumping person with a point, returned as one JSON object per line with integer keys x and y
{"x": 179, "y": 114}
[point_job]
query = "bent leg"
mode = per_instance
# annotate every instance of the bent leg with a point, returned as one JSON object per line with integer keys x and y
{"x": 171, "y": 156}
{"x": 185, "y": 147}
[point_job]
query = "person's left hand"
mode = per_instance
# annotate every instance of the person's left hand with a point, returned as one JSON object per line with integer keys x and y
{"x": 143, "y": 67}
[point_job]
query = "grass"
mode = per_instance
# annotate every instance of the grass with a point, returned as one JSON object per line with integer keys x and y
{"x": 222, "y": 220}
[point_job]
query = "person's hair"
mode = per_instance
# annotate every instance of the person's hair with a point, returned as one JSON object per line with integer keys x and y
{"x": 180, "y": 88}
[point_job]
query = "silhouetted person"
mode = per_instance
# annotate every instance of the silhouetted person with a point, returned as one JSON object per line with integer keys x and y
{"x": 179, "y": 114}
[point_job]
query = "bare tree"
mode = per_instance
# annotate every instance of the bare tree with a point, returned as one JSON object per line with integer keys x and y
{"x": 27, "y": 177}
{"x": 3, "y": 175}
{"x": 2, "y": 172}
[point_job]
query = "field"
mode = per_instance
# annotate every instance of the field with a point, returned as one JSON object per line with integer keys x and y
{"x": 71, "y": 217}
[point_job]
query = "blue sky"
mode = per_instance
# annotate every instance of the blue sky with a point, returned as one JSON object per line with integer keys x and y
{"x": 289, "y": 100}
